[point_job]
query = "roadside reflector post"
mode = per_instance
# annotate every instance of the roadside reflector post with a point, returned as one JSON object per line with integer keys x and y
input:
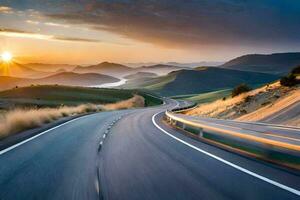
{"x": 200, "y": 132}
{"x": 169, "y": 119}
{"x": 174, "y": 123}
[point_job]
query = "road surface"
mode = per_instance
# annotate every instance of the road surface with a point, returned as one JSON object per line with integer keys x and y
{"x": 137, "y": 157}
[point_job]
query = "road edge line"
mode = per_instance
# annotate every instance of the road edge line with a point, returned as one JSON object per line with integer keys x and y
{"x": 284, "y": 187}
{"x": 36, "y": 136}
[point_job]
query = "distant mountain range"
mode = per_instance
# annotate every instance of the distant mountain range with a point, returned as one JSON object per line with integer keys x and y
{"x": 18, "y": 70}
{"x": 50, "y": 67}
{"x": 278, "y": 63}
{"x": 107, "y": 68}
{"x": 177, "y": 64}
{"x": 120, "y": 71}
{"x": 167, "y": 79}
{"x": 64, "y": 78}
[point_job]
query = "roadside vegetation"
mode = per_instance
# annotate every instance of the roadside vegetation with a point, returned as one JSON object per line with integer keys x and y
{"x": 255, "y": 105}
{"x": 291, "y": 79}
{"x": 134, "y": 102}
{"x": 205, "y": 97}
{"x": 30, "y": 107}
{"x": 17, "y": 120}
{"x": 240, "y": 89}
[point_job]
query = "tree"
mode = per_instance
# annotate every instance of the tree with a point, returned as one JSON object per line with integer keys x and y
{"x": 289, "y": 80}
{"x": 296, "y": 70}
{"x": 242, "y": 88}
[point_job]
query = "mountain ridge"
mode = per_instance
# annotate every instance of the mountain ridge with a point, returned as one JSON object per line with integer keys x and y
{"x": 276, "y": 63}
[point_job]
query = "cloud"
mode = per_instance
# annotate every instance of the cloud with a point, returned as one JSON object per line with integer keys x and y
{"x": 5, "y": 9}
{"x": 32, "y": 22}
{"x": 56, "y": 24}
{"x": 73, "y": 39}
{"x": 47, "y": 23}
{"x": 190, "y": 23}
{"x": 25, "y": 34}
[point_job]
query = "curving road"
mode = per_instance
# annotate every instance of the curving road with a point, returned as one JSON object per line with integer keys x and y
{"x": 137, "y": 157}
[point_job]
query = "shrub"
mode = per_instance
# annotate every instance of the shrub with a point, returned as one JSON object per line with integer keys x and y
{"x": 289, "y": 80}
{"x": 296, "y": 70}
{"x": 248, "y": 99}
{"x": 242, "y": 88}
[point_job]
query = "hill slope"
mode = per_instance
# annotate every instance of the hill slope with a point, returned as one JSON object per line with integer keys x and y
{"x": 278, "y": 63}
{"x": 200, "y": 80}
{"x": 272, "y": 104}
{"x": 50, "y": 95}
{"x": 71, "y": 78}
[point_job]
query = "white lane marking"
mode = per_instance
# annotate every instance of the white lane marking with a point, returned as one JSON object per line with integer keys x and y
{"x": 289, "y": 189}
{"x": 36, "y": 136}
{"x": 104, "y": 136}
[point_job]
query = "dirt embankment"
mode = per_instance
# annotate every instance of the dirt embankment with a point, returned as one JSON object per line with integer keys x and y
{"x": 262, "y": 104}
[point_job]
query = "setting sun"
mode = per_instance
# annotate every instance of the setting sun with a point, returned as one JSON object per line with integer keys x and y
{"x": 6, "y": 56}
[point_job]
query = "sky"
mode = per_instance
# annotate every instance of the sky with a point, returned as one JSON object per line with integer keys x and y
{"x": 92, "y": 31}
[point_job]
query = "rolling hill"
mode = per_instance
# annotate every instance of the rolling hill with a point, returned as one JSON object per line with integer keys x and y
{"x": 200, "y": 80}
{"x": 64, "y": 78}
{"x": 55, "y": 95}
{"x": 278, "y": 63}
{"x": 71, "y": 78}
{"x": 107, "y": 68}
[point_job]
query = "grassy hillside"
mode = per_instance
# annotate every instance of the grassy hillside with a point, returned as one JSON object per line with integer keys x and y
{"x": 74, "y": 79}
{"x": 200, "y": 80}
{"x": 149, "y": 83}
{"x": 205, "y": 97}
{"x": 53, "y": 96}
{"x": 49, "y": 95}
{"x": 279, "y": 63}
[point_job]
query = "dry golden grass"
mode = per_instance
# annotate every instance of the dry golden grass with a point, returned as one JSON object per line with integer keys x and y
{"x": 270, "y": 109}
{"x": 18, "y": 120}
{"x": 136, "y": 101}
{"x": 243, "y": 104}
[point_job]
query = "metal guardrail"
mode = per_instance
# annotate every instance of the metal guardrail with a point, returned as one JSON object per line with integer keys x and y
{"x": 185, "y": 108}
{"x": 278, "y": 152}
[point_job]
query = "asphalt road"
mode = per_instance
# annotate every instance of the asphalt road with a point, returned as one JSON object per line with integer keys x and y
{"x": 140, "y": 158}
